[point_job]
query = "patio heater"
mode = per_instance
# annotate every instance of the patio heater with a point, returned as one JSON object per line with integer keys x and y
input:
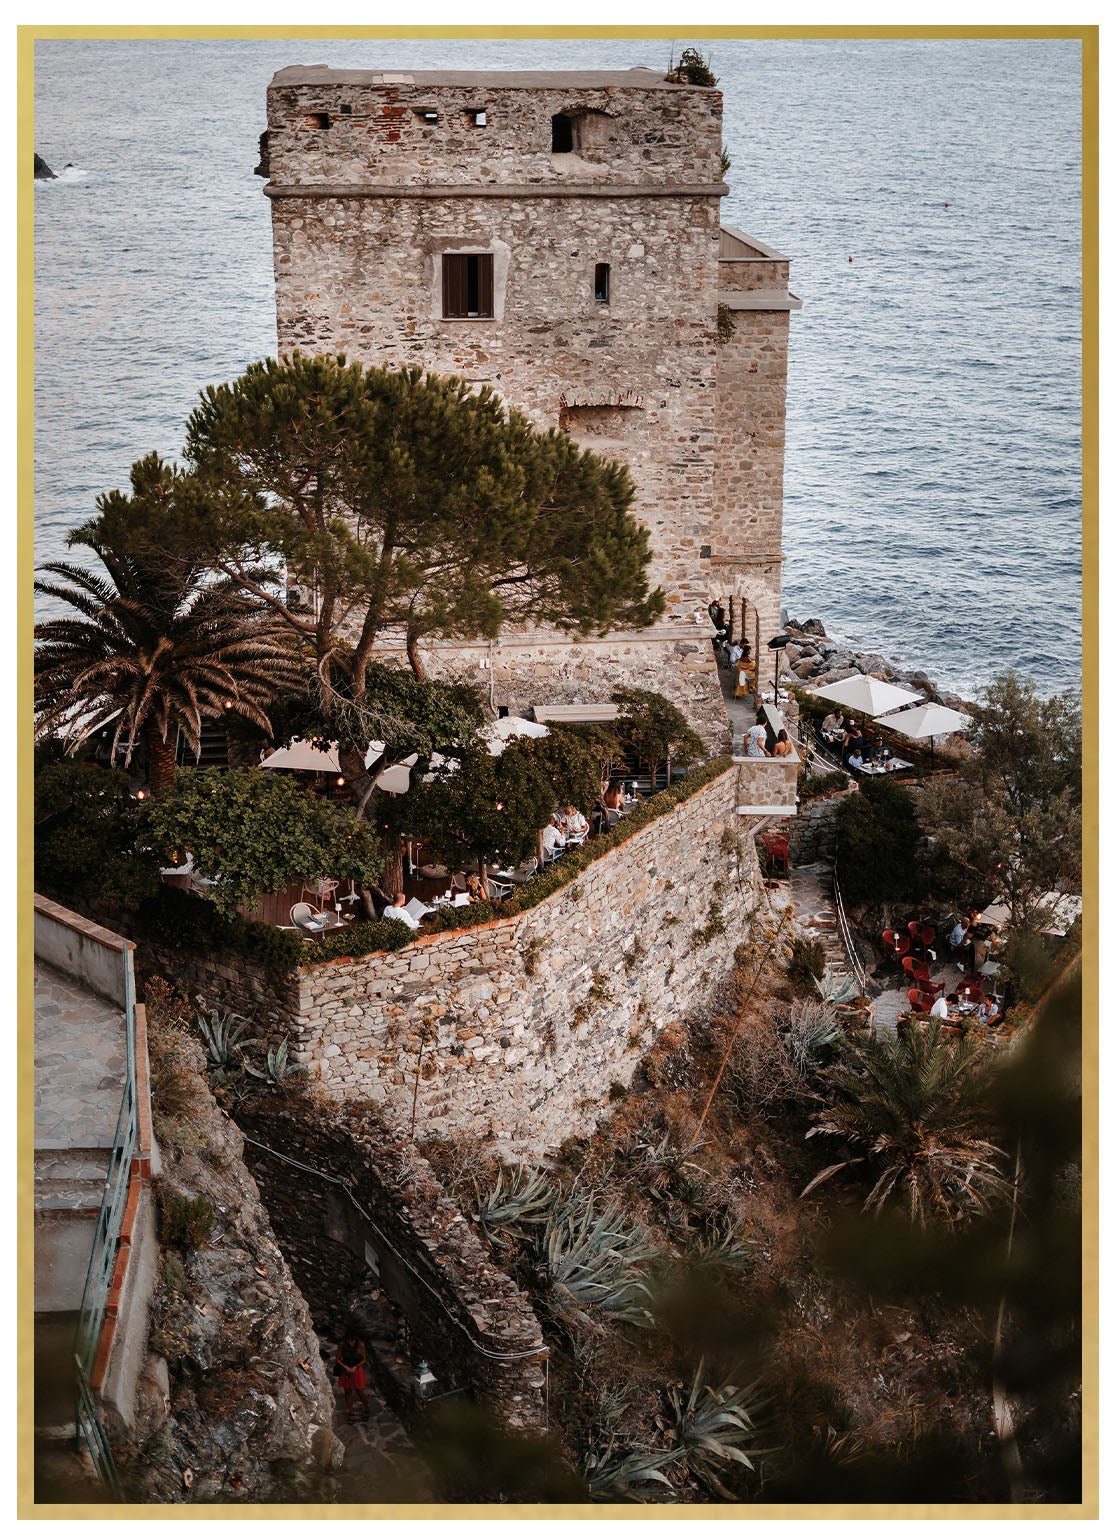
{"x": 776, "y": 644}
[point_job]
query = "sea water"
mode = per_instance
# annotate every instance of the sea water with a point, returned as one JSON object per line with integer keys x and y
{"x": 928, "y": 193}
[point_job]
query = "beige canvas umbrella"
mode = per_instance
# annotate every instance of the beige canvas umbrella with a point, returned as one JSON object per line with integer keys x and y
{"x": 302, "y": 754}
{"x": 929, "y": 720}
{"x": 866, "y": 695}
{"x": 497, "y": 735}
{"x": 926, "y": 721}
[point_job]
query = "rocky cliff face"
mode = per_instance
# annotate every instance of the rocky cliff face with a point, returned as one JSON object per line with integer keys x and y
{"x": 235, "y": 1403}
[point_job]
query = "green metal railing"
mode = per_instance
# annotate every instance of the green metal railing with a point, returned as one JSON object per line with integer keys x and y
{"x": 106, "y": 1239}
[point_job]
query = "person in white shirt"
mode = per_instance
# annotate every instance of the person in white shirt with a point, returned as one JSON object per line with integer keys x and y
{"x": 574, "y": 821}
{"x": 552, "y": 837}
{"x": 755, "y": 742}
{"x": 940, "y": 1007}
{"x": 833, "y": 725}
{"x": 396, "y": 910}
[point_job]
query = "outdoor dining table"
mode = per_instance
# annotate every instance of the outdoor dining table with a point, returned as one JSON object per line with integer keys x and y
{"x": 887, "y": 768}
{"x": 327, "y": 921}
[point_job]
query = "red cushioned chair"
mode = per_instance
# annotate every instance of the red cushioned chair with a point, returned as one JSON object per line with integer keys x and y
{"x": 924, "y": 934}
{"x": 777, "y": 847}
{"x": 919, "y": 1000}
{"x": 917, "y": 968}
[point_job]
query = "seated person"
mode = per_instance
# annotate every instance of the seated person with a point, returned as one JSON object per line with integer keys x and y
{"x": 738, "y": 653}
{"x": 782, "y": 745}
{"x": 573, "y": 821}
{"x": 989, "y": 1013}
{"x": 945, "y": 1008}
{"x": 855, "y": 762}
{"x": 477, "y": 892}
{"x": 396, "y": 910}
{"x": 958, "y": 934}
{"x": 613, "y": 797}
{"x": 853, "y": 741}
{"x": 552, "y": 838}
{"x": 717, "y": 615}
{"x": 755, "y": 742}
{"x": 832, "y": 728}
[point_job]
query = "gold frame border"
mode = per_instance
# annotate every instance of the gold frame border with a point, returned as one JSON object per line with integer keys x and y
{"x": 27, "y": 36}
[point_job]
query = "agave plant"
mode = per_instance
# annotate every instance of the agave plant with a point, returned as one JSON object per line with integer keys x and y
{"x": 835, "y": 988}
{"x": 222, "y": 1032}
{"x": 720, "y": 1251}
{"x": 812, "y": 1030}
{"x": 598, "y": 1259}
{"x": 663, "y": 1161}
{"x": 519, "y": 1198}
{"x": 610, "y": 1474}
{"x": 916, "y": 1107}
{"x": 710, "y": 1426}
{"x": 278, "y": 1066}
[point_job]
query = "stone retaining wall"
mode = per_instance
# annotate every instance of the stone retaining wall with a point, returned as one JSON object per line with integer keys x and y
{"x": 518, "y": 1029}
{"x": 472, "y": 1325}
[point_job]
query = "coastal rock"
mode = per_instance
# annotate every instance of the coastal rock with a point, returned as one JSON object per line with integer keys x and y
{"x": 872, "y": 663}
{"x": 813, "y": 627}
{"x": 43, "y": 173}
{"x": 233, "y": 1388}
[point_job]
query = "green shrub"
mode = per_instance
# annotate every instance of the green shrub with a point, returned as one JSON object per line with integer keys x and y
{"x": 175, "y": 918}
{"x": 811, "y": 787}
{"x": 185, "y": 1223}
{"x": 807, "y": 963}
{"x": 879, "y": 845}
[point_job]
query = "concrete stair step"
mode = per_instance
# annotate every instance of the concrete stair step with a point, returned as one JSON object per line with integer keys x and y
{"x": 71, "y": 1165}
{"x": 57, "y": 1195}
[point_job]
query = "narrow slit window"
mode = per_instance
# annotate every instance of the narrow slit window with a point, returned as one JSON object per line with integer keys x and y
{"x": 479, "y": 116}
{"x": 561, "y": 141}
{"x": 466, "y": 285}
{"x": 603, "y": 283}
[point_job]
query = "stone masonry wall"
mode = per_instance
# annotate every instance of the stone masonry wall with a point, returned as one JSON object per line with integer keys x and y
{"x": 518, "y": 1028}
{"x": 639, "y": 128}
{"x": 462, "y": 1312}
{"x": 750, "y": 446}
{"x": 521, "y": 672}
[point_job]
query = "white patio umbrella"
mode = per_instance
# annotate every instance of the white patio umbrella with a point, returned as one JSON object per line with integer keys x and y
{"x": 865, "y": 694}
{"x": 301, "y": 754}
{"x": 304, "y": 755}
{"x": 928, "y": 720}
{"x": 396, "y": 778}
{"x": 497, "y": 735}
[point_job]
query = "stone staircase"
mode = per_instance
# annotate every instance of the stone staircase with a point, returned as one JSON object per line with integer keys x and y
{"x": 69, "y": 1185}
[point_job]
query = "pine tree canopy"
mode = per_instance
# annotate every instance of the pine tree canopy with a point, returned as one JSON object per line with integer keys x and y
{"x": 416, "y": 504}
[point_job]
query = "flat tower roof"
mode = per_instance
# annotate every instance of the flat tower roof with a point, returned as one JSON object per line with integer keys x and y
{"x": 640, "y": 78}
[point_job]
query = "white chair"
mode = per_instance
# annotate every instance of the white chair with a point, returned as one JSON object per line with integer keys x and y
{"x": 499, "y": 889}
{"x": 526, "y": 871}
{"x": 308, "y": 920}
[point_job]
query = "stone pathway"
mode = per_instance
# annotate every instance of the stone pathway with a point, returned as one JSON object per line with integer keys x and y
{"x": 80, "y": 1064}
{"x": 809, "y": 889}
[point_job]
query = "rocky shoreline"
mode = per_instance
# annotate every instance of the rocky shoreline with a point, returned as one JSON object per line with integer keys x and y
{"x": 815, "y": 658}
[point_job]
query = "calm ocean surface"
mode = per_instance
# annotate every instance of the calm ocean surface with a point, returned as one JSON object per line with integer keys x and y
{"x": 933, "y": 456}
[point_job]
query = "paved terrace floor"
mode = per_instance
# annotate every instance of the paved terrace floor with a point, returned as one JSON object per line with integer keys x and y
{"x": 80, "y": 1064}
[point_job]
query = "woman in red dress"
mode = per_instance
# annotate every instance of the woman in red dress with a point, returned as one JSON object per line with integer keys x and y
{"x": 349, "y": 1367}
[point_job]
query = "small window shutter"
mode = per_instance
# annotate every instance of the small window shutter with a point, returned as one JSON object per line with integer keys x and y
{"x": 484, "y": 305}
{"x": 454, "y": 284}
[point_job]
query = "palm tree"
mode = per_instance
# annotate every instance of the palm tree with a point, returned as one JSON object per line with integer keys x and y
{"x": 157, "y": 649}
{"x": 915, "y": 1104}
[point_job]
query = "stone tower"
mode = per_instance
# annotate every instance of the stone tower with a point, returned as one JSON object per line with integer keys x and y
{"x": 557, "y": 237}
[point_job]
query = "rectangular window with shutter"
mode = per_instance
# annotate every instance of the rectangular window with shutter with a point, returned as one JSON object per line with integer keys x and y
{"x": 466, "y": 285}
